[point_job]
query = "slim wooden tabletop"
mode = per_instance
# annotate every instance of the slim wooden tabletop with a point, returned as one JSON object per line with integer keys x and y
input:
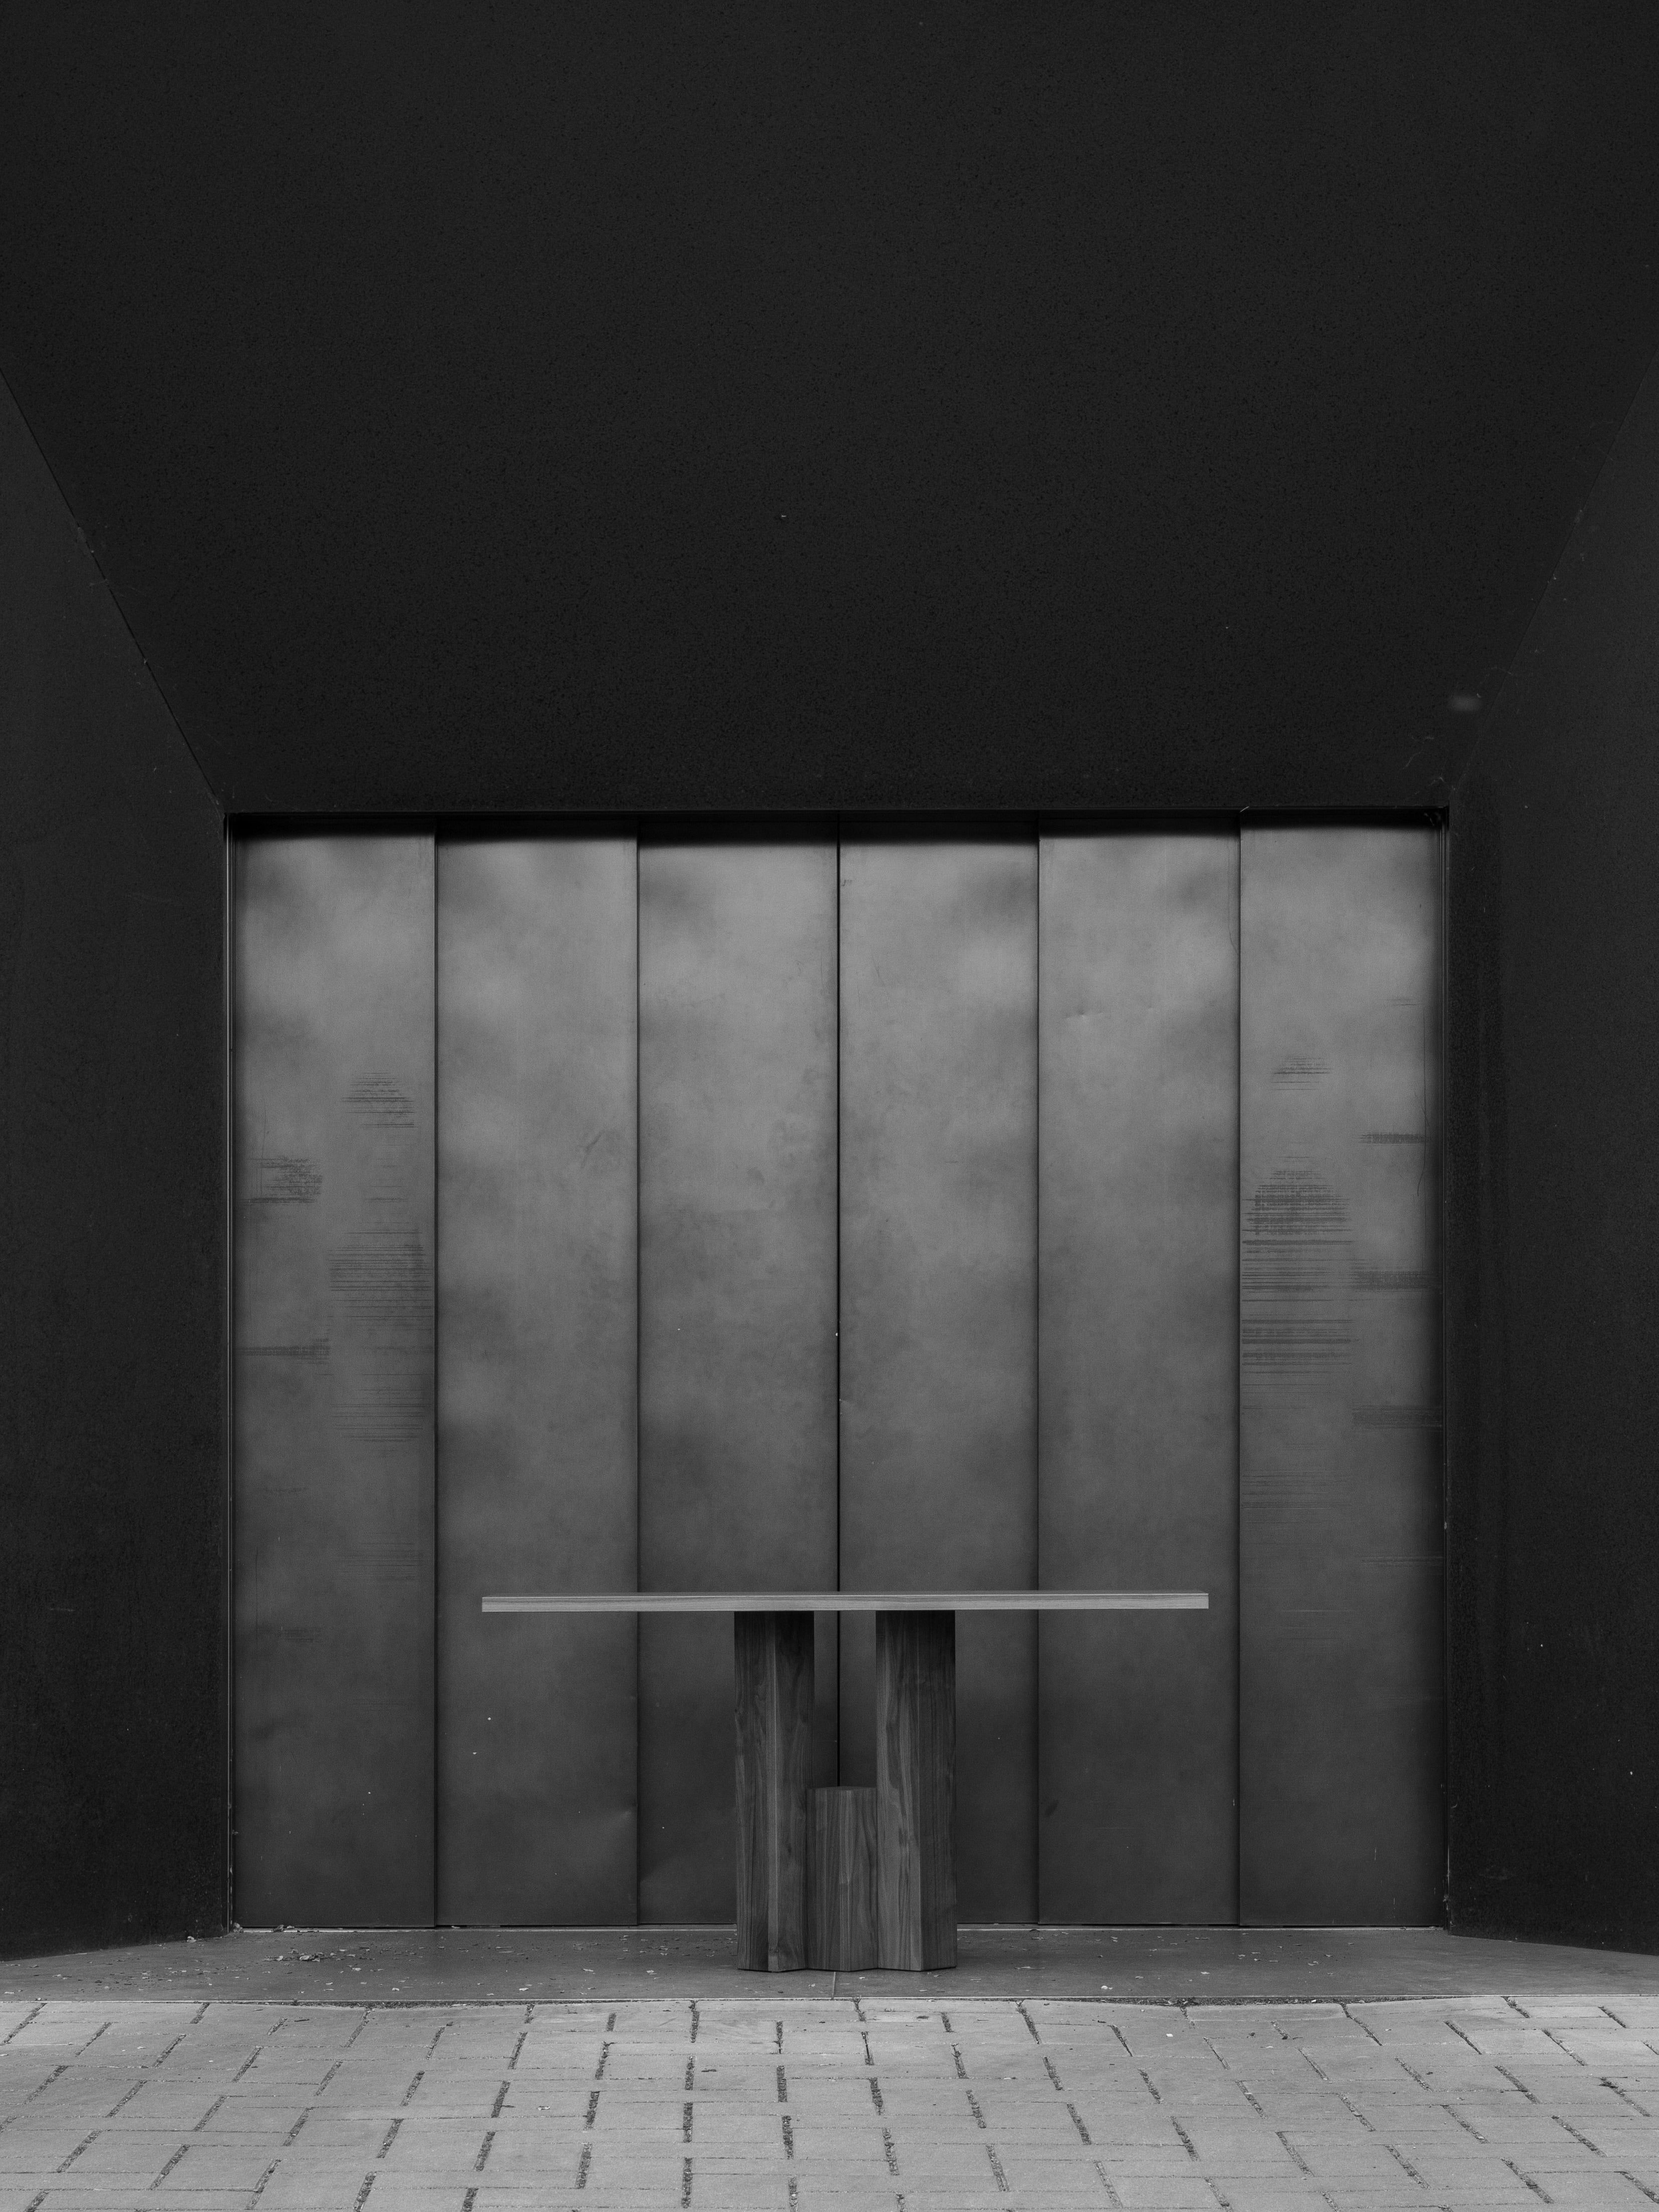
{"x": 858, "y": 1601}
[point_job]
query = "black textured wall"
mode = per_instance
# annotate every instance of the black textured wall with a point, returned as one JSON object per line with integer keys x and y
{"x": 112, "y": 1264}
{"x": 645, "y": 406}
{"x": 1554, "y": 1597}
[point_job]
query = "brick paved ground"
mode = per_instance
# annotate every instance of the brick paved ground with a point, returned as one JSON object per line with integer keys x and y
{"x": 839, "y": 2104}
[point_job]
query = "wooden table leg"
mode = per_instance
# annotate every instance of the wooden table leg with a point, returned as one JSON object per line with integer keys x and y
{"x": 773, "y": 1707}
{"x": 916, "y": 1788}
{"x": 841, "y": 1880}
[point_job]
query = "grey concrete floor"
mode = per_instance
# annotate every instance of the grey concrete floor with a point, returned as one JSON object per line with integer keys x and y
{"x": 472, "y": 1966}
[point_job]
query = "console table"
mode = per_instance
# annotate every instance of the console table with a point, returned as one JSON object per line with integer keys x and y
{"x": 848, "y": 1879}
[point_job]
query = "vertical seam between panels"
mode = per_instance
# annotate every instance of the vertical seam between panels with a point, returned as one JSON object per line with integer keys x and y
{"x": 437, "y": 1652}
{"x": 835, "y": 854}
{"x": 1238, "y": 1379}
{"x": 639, "y": 1409}
{"x": 1037, "y": 1363}
{"x": 229, "y": 1570}
{"x": 1443, "y": 1228}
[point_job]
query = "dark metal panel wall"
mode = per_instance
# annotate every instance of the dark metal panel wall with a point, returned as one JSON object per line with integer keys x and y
{"x": 333, "y": 1078}
{"x": 771, "y": 1030}
{"x": 1138, "y": 1369}
{"x": 736, "y": 1303}
{"x": 1340, "y": 1489}
{"x": 939, "y": 1299}
{"x": 536, "y": 1192}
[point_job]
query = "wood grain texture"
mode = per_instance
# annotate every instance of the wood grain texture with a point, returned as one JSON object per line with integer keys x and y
{"x": 916, "y": 1788}
{"x": 939, "y": 942}
{"x": 536, "y": 1382}
{"x": 1340, "y": 1493}
{"x": 334, "y": 1319}
{"x": 841, "y": 1932}
{"x": 772, "y": 1677}
{"x": 1138, "y": 1370}
{"x": 736, "y": 1479}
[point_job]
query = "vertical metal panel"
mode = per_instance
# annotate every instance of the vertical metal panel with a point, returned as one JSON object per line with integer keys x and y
{"x": 1138, "y": 1372}
{"x": 737, "y": 1302}
{"x": 939, "y": 1299}
{"x": 537, "y": 1193}
{"x": 1340, "y": 1494}
{"x": 333, "y": 1074}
